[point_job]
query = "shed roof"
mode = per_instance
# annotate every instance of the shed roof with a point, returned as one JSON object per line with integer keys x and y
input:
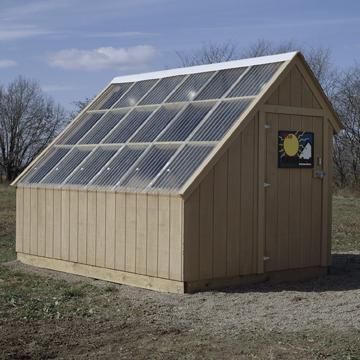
{"x": 151, "y": 132}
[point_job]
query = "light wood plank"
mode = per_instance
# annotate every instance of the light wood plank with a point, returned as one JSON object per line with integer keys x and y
{"x": 191, "y": 236}
{"x": 49, "y": 225}
{"x": 220, "y": 217}
{"x": 271, "y": 219}
{"x": 261, "y": 193}
{"x": 91, "y": 228}
{"x": 141, "y": 233}
{"x": 110, "y": 230}
{"x": 283, "y": 205}
{"x": 120, "y": 235}
{"x": 65, "y": 224}
{"x": 34, "y": 222}
{"x": 100, "y": 229}
{"x": 164, "y": 237}
{"x": 83, "y": 227}
{"x": 116, "y": 276}
{"x": 292, "y": 110}
{"x": 152, "y": 234}
{"x": 27, "y": 220}
{"x": 57, "y": 224}
{"x": 74, "y": 225}
{"x": 295, "y": 198}
{"x": 248, "y": 187}
{"x": 130, "y": 263}
{"x": 176, "y": 238}
{"x": 233, "y": 211}
{"x": 19, "y": 219}
{"x": 206, "y": 235}
{"x": 295, "y": 90}
{"x": 41, "y": 222}
{"x": 284, "y": 91}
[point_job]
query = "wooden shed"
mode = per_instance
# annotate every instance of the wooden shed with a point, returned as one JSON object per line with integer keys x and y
{"x": 188, "y": 179}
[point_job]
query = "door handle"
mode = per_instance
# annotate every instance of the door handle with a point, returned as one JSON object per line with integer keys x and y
{"x": 319, "y": 174}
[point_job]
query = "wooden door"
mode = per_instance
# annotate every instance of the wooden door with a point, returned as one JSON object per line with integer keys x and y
{"x": 293, "y": 196}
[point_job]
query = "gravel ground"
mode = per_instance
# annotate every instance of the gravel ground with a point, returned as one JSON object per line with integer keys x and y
{"x": 269, "y": 318}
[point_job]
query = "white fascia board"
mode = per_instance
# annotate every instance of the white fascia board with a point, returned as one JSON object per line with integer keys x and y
{"x": 205, "y": 68}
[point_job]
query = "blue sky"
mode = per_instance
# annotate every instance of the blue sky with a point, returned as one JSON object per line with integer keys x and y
{"x": 73, "y": 48}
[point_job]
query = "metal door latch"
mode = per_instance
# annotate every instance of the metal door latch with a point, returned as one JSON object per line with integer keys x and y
{"x": 319, "y": 174}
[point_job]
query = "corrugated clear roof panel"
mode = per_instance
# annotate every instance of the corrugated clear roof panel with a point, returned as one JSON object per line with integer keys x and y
{"x": 221, "y": 83}
{"x": 188, "y": 90}
{"x": 118, "y": 166}
{"x": 128, "y": 126}
{"x": 66, "y": 166}
{"x": 45, "y": 165}
{"x": 81, "y": 128}
{"x": 185, "y": 123}
{"x": 162, "y": 90}
{"x": 115, "y": 93}
{"x": 91, "y": 166}
{"x": 156, "y": 124}
{"x": 221, "y": 120}
{"x": 132, "y": 97}
{"x": 182, "y": 167}
{"x": 148, "y": 167}
{"x": 254, "y": 80}
{"x": 103, "y": 127}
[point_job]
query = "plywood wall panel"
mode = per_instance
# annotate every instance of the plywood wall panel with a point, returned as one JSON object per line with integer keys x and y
{"x": 100, "y": 229}
{"x": 176, "y": 230}
{"x": 34, "y": 221}
{"x": 191, "y": 236}
{"x": 110, "y": 230}
{"x": 220, "y": 216}
{"x": 83, "y": 227}
{"x": 91, "y": 228}
{"x": 120, "y": 231}
{"x": 74, "y": 226}
{"x": 41, "y": 222}
{"x": 164, "y": 237}
{"x": 65, "y": 224}
{"x": 141, "y": 233}
{"x": 130, "y": 247}
{"x": 19, "y": 219}
{"x": 234, "y": 208}
{"x": 57, "y": 224}
{"x": 206, "y": 227}
{"x": 27, "y": 220}
{"x": 152, "y": 235}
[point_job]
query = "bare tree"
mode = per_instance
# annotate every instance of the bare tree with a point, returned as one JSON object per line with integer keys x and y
{"x": 209, "y": 53}
{"x": 80, "y": 105}
{"x": 347, "y": 104}
{"x": 28, "y": 122}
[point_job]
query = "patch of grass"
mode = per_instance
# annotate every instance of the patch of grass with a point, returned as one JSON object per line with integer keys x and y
{"x": 346, "y": 223}
{"x": 7, "y": 223}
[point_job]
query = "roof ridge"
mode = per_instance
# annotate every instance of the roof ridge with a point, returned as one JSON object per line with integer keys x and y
{"x": 205, "y": 68}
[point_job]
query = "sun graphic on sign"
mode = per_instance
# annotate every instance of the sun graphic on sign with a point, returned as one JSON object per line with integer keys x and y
{"x": 292, "y": 144}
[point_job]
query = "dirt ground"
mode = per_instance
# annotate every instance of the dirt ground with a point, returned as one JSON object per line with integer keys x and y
{"x": 317, "y": 319}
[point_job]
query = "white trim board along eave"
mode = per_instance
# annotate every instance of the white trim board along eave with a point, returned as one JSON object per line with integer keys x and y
{"x": 205, "y": 68}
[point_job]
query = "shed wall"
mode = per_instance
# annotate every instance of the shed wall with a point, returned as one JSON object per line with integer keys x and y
{"x": 220, "y": 216}
{"x": 136, "y": 233}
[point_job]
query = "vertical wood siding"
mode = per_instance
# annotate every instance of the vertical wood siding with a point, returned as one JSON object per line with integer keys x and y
{"x": 220, "y": 216}
{"x": 139, "y": 233}
{"x": 294, "y": 91}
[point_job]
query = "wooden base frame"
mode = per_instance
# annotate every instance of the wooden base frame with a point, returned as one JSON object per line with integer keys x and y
{"x": 116, "y": 276}
{"x": 165, "y": 285}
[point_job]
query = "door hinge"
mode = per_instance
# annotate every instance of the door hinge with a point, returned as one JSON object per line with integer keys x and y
{"x": 267, "y": 126}
{"x": 267, "y": 184}
{"x": 266, "y": 258}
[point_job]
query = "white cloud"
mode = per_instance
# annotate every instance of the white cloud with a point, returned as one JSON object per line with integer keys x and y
{"x": 104, "y": 57}
{"x": 6, "y": 63}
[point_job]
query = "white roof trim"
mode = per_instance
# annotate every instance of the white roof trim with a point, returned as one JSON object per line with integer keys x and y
{"x": 204, "y": 68}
